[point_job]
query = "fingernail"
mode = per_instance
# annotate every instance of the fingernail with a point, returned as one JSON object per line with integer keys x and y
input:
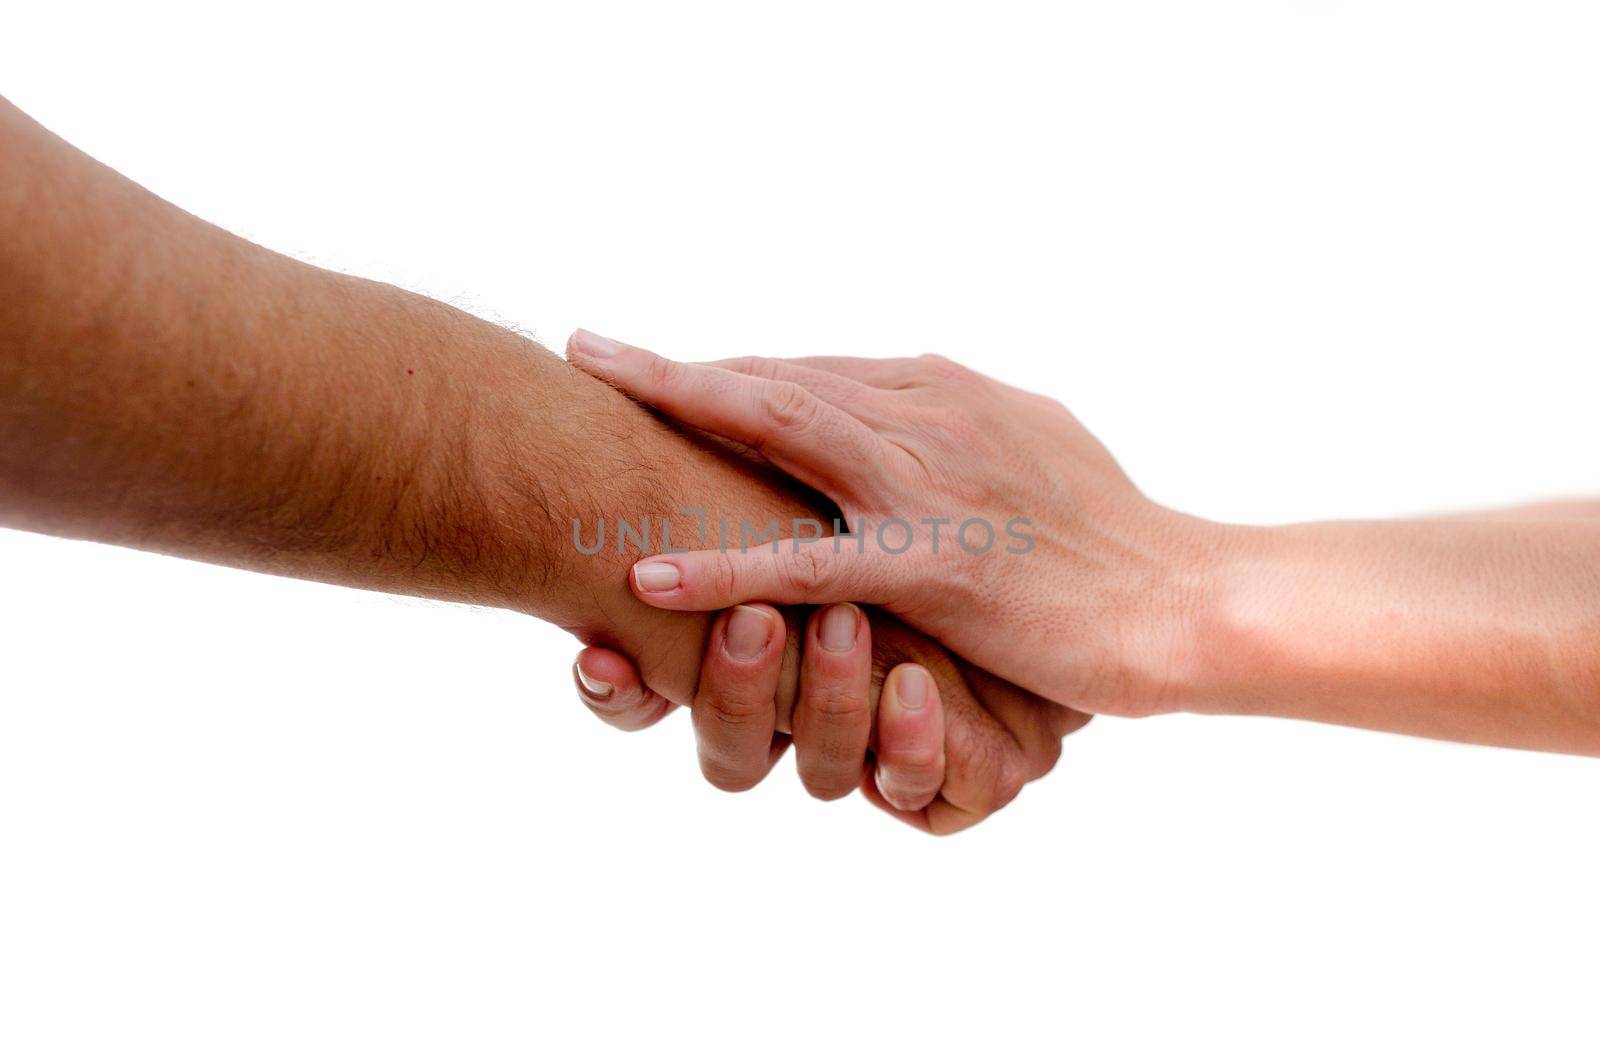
{"x": 839, "y": 628}
{"x": 655, "y": 576}
{"x": 593, "y": 685}
{"x": 596, "y": 346}
{"x": 911, "y": 687}
{"x": 748, "y": 632}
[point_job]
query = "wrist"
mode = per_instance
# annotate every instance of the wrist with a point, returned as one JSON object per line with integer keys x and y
{"x": 1234, "y": 628}
{"x": 1187, "y": 652}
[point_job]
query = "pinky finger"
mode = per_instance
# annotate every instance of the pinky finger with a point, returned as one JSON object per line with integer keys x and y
{"x": 910, "y": 748}
{"x": 610, "y": 687}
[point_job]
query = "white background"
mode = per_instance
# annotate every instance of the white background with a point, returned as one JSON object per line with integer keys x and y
{"x": 1290, "y": 261}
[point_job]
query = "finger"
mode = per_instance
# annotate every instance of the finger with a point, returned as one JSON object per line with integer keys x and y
{"x": 910, "y": 745}
{"x": 890, "y": 374}
{"x": 985, "y": 767}
{"x": 984, "y": 764}
{"x": 733, "y": 710}
{"x": 855, "y": 397}
{"x": 897, "y": 374}
{"x": 792, "y": 428}
{"x": 789, "y": 572}
{"x": 610, "y": 686}
{"x": 833, "y": 716}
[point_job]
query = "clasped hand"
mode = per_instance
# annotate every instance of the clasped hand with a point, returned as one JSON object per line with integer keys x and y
{"x": 984, "y": 515}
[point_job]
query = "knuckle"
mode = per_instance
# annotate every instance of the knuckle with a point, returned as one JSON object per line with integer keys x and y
{"x": 831, "y": 758}
{"x": 837, "y": 709}
{"x": 1045, "y": 758}
{"x": 726, "y": 777}
{"x": 914, "y": 765}
{"x": 831, "y": 745}
{"x": 664, "y": 374}
{"x": 1052, "y": 406}
{"x": 810, "y": 571}
{"x": 939, "y": 367}
{"x": 724, "y": 576}
{"x": 728, "y": 715}
{"x": 905, "y": 798}
{"x": 984, "y": 778}
{"x": 727, "y": 763}
{"x": 906, "y": 790}
{"x": 1010, "y": 777}
{"x": 761, "y": 367}
{"x": 828, "y": 784}
{"x": 790, "y": 407}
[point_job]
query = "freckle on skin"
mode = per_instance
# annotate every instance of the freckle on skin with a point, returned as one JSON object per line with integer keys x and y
{"x": 410, "y": 372}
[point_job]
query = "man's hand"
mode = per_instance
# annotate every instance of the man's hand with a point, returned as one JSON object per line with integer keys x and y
{"x": 834, "y": 719}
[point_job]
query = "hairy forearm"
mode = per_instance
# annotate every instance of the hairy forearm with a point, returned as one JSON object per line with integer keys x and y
{"x": 1481, "y": 630}
{"x": 166, "y": 385}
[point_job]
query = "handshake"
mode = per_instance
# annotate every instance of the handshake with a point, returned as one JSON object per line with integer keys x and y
{"x": 988, "y": 519}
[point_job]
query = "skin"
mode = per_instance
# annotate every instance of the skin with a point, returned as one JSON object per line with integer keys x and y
{"x": 168, "y": 386}
{"x": 833, "y": 718}
{"x": 1480, "y": 628}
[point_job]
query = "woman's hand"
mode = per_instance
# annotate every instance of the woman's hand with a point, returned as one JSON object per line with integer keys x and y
{"x": 984, "y": 515}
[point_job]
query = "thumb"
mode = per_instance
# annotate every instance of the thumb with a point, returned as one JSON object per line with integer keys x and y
{"x": 609, "y": 685}
{"x": 785, "y": 572}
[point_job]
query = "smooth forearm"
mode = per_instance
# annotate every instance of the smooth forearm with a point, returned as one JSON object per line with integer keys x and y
{"x": 1474, "y": 630}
